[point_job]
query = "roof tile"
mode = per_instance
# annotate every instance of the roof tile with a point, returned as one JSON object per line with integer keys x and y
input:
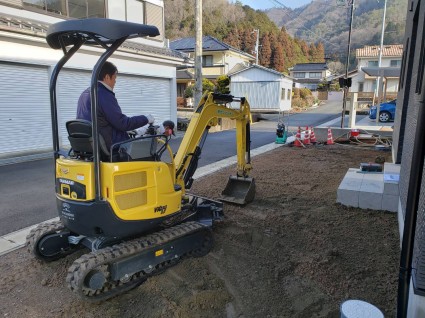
{"x": 395, "y": 50}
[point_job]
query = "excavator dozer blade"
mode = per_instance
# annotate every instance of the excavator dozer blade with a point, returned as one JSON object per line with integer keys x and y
{"x": 239, "y": 190}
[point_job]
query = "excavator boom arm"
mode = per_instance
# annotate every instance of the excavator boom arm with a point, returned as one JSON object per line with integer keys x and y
{"x": 210, "y": 108}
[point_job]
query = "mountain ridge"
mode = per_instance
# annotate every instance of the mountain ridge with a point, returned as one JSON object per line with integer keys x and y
{"x": 324, "y": 21}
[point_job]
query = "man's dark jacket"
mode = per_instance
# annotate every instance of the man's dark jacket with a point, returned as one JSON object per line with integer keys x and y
{"x": 113, "y": 124}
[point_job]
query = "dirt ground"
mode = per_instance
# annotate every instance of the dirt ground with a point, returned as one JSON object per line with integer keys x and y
{"x": 293, "y": 252}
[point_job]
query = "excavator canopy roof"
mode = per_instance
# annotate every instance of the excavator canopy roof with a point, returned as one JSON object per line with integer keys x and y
{"x": 106, "y": 31}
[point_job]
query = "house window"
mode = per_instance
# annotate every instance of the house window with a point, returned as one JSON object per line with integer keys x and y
{"x": 372, "y": 64}
{"x": 154, "y": 15}
{"x": 77, "y": 8}
{"x": 181, "y": 87}
{"x": 361, "y": 86}
{"x": 86, "y": 9}
{"x": 207, "y": 60}
{"x": 299, "y": 75}
{"x": 55, "y": 6}
{"x": 289, "y": 94}
{"x": 135, "y": 12}
{"x": 315, "y": 74}
{"x": 283, "y": 94}
{"x": 126, "y": 10}
{"x": 395, "y": 63}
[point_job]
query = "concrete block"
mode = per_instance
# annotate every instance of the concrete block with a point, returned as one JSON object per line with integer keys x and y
{"x": 370, "y": 200}
{"x": 350, "y": 184}
{"x": 348, "y": 197}
{"x": 373, "y": 185}
{"x": 391, "y": 168}
{"x": 391, "y": 188}
{"x": 390, "y": 202}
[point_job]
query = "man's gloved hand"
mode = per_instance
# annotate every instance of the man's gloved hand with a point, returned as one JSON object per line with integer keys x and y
{"x": 141, "y": 130}
{"x": 150, "y": 118}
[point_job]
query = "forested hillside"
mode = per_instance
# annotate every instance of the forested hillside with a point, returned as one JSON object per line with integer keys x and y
{"x": 234, "y": 24}
{"x": 324, "y": 21}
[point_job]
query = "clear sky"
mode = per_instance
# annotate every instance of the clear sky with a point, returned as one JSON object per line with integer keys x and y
{"x": 266, "y": 4}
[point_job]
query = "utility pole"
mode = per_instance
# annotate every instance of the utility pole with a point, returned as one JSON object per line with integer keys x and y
{"x": 256, "y": 45}
{"x": 198, "y": 52}
{"x": 379, "y": 80}
{"x": 344, "y": 102}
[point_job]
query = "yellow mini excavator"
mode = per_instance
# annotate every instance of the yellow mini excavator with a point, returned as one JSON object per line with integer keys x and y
{"x": 128, "y": 205}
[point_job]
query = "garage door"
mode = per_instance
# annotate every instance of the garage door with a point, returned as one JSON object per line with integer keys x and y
{"x": 136, "y": 95}
{"x": 144, "y": 95}
{"x": 25, "y": 109}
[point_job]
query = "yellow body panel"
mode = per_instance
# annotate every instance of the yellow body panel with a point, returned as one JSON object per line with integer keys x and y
{"x": 75, "y": 179}
{"x": 139, "y": 190}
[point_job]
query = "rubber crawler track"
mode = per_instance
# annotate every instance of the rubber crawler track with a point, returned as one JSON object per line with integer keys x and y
{"x": 40, "y": 231}
{"x": 101, "y": 259}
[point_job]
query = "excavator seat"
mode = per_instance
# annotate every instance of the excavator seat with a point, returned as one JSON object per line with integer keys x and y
{"x": 81, "y": 139}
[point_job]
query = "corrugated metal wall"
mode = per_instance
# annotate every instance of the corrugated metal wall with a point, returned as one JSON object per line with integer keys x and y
{"x": 24, "y": 105}
{"x": 25, "y": 124}
{"x": 260, "y": 95}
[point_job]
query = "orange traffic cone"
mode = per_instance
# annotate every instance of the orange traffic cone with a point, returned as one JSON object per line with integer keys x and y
{"x": 297, "y": 142}
{"x": 313, "y": 139}
{"x": 306, "y": 140}
{"x": 330, "y": 138}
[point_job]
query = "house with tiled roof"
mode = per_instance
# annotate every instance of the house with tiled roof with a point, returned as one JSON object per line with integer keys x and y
{"x": 367, "y": 59}
{"x": 309, "y": 75}
{"x": 218, "y": 58}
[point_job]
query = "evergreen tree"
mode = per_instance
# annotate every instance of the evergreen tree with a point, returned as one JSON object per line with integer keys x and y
{"x": 265, "y": 51}
{"x": 278, "y": 58}
{"x": 312, "y": 52}
{"x": 223, "y": 83}
{"x": 248, "y": 41}
{"x": 320, "y": 52}
{"x": 233, "y": 38}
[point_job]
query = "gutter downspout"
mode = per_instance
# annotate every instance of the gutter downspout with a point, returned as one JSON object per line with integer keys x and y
{"x": 412, "y": 204}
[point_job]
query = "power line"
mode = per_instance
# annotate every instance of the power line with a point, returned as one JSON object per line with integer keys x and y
{"x": 304, "y": 27}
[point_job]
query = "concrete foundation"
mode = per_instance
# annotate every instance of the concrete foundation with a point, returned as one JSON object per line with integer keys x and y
{"x": 371, "y": 190}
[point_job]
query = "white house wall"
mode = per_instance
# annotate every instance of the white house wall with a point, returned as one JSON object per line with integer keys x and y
{"x": 286, "y": 103}
{"x": 232, "y": 60}
{"x": 369, "y": 84}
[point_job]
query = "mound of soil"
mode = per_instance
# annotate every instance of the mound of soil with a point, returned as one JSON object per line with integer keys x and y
{"x": 293, "y": 252}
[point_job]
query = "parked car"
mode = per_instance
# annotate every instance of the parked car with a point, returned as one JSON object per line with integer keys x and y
{"x": 386, "y": 111}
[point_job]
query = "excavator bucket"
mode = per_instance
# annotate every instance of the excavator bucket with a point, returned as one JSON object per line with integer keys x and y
{"x": 239, "y": 190}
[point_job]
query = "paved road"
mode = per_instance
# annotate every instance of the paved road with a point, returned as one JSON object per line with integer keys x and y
{"x": 27, "y": 189}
